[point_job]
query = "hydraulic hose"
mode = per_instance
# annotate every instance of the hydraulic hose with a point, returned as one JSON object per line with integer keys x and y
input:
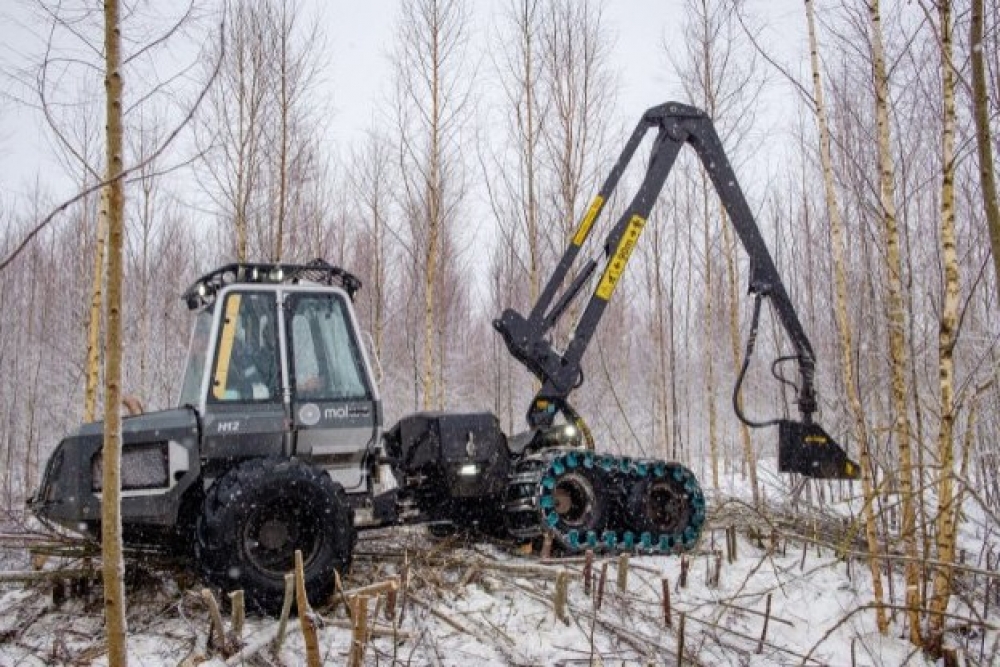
{"x": 751, "y": 343}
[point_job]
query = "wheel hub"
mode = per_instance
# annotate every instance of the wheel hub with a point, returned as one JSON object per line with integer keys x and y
{"x": 573, "y": 500}
{"x": 273, "y": 534}
{"x": 273, "y": 538}
{"x": 666, "y": 506}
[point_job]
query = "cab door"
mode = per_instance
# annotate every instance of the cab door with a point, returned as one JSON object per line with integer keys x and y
{"x": 242, "y": 414}
{"x": 335, "y": 407}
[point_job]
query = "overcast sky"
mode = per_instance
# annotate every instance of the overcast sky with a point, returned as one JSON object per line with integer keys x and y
{"x": 358, "y": 77}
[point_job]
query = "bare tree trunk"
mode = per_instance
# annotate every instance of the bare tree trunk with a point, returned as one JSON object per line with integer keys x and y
{"x": 431, "y": 107}
{"x": 749, "y": 456}
{"x": 844, "y": 328}
{"x": 575, "y": 58}
{"x": 111, "y": 526}
{"x": 708, "y": 333}
{"x": 147, "y": 186}
{"x": 283, "y": 120}
{"x": 371, "y": 180}
{"x": 984, "y": 140}
{"x": 246, "y": 152}
{"x": 433, "y": 198}
{"x": 527, "y": 21}
{"x": 947, "y": 337}
{"x": 238, "y": 120}
{"x": 513, "y": 178}
{"x": 30, "y": 454}
{"x": 896, "y": 318}
{"x": 722, "y": 74}
{"x": 661, "y": 335}
{"x": 94, "y": 323}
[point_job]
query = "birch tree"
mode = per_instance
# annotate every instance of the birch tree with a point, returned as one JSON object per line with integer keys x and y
{"x": 984, "y": 140}
{"x": 578, "y": 93}
{"x": 896, "y": 318}
{"x": 95, "y": 317}
{"x": 78, "y": 141}
{"x": 259, "y": 135}
{"x": 432, "y": 105}
{"x": 708, "y": 352}
{"x": 513, "y": 176}
{"x": 947, "y": 338}
{"x": 843, "y": 322}
{"x": 232, "y": 134}
{"x": 373, "y": 181}
{"x": 161, "y": 255}
{"x": 579, "y": 98}
{"x": 578, "y": 89}
{"x": 721, "y": 75}
{"x": 294, "y": 157}
{"x": 522, "y": 76}
{"x": 660, "y": 259}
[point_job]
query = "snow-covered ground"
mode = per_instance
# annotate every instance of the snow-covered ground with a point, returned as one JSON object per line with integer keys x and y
{"x": 482, "y": 604}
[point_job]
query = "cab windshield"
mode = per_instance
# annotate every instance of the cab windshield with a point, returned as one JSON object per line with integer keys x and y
{"x": 327, "y": 361}
{"x": 194, "y": 368}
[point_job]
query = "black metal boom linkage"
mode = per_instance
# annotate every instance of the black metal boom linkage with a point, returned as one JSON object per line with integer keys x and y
{"x": 804, "y": 446}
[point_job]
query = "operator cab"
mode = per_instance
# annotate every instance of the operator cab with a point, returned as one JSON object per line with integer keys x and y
{"x": 275, "y": 367}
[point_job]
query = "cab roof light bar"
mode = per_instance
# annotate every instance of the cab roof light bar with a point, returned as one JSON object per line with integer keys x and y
{"x": 202, "y": 292}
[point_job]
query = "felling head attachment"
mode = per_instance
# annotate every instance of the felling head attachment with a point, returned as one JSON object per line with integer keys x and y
{"x": 809, "y": 450}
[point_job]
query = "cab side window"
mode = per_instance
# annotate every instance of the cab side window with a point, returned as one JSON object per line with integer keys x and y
{"x": 194, "y": 369}
{"x": 246, "y": 361}
{"x": 326, "y": 361}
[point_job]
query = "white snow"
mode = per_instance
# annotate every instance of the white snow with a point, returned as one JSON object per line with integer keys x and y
{"x": 481, "y": 604}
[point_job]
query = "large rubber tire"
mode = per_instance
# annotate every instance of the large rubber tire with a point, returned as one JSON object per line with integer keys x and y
{"x": 258, "y": 514}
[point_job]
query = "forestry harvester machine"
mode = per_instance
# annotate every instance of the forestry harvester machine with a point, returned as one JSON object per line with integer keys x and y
{"x": 278, "y": 444}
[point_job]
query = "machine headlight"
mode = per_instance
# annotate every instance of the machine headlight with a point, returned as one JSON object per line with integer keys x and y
{"x": 468, "y": 470}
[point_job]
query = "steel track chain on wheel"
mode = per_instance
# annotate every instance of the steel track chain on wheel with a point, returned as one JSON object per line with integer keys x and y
{"x": 521, "y": 497}
{"x": 665, "y": 507}
{"x": 576, "y": 499}
{"x": 604, "y": 502}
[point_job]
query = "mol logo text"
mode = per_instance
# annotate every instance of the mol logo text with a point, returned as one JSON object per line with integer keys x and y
{"x": 339, "y": 412}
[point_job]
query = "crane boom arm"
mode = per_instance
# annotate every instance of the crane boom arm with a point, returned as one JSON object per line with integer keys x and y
{"x": 528, "y": 339}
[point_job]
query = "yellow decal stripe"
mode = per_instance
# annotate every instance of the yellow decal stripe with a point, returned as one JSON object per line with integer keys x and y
{"x": 226, "y": 346}
{"x": 617, "y": 265}
{"x": 588, "y": 220}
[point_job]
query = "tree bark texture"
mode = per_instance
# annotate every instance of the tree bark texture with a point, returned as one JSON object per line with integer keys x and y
{"x": 111, "y": 524}
{"x": 947, "y": 513}
{"x": 432, "y": 197}
{"x": 843, "y": 324}
{"x": 713, "y": 436}
{"x": 896, "y": 318}
{"x": 984, "y": 139}
{"x": 96, "y": 318}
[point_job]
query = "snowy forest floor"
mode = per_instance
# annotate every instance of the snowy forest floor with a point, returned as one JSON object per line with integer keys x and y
{"x": 785, "y": 599}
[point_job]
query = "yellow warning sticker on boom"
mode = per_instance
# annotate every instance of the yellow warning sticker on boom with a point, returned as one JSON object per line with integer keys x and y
{"x": 614, "y": 271}
{"x": 588, "y": 221}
